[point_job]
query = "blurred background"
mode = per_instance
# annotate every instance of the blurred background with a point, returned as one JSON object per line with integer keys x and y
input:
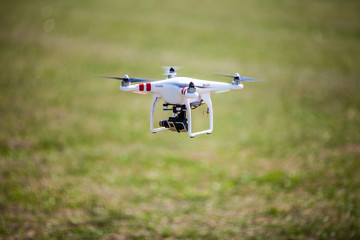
{"x": 77, "y": 159}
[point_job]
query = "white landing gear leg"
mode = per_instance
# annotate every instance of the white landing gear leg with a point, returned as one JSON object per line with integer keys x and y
{"x": 207, "y": 99}
{"x": 156, "y": 99}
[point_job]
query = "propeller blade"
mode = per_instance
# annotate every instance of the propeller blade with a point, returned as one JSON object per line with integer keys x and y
{"x": 167, "y": 69}
{"x": 142, "y": 80}
{"x": 242, "y": 79}
{"x": 130, "y": 79}
{"x": 182, "y": 85}
{"x": 247, "y": 79}
{"x": 223, "y": 74}
{"x": 117, "y": 78}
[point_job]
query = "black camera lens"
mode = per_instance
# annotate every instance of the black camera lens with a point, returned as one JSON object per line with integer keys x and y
{"x": 164, "y": 123}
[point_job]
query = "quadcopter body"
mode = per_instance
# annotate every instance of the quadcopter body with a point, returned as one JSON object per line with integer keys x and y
{"x": 181, "y": 95}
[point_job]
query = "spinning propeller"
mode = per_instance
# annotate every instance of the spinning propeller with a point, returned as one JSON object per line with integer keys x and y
{"x": 168, "y": 70}
{"x": 126, "y": 80}
{"x": 238, "y": 79}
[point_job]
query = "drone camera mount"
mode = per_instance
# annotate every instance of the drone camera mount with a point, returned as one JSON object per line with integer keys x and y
{"x": 178, "y": 122}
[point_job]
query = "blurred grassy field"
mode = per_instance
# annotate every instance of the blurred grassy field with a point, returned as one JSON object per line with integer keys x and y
{"x": 77, "y": 159}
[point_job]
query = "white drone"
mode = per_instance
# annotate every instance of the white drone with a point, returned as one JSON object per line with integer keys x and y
{"x": 181, "y": 95}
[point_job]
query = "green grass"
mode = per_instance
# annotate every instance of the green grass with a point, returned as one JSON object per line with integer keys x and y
{"x": 77, "y": 159}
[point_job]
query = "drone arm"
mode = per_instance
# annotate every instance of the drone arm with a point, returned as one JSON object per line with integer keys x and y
{"x": 128, "y": 88}
{"x": 142, "y": 88}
